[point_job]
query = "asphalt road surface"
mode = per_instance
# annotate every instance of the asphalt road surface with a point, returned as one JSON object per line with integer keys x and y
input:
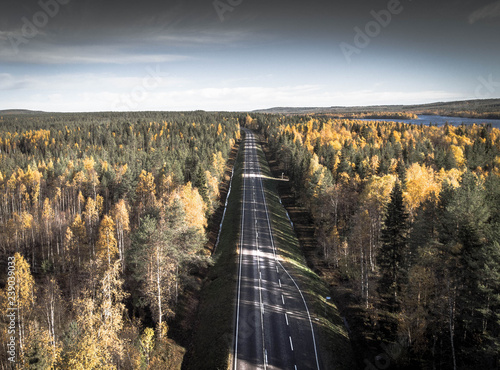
{"x": 273, "y": 328}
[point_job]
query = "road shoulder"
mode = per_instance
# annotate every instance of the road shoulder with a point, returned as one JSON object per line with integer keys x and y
{"x": 213, "y": 337}
{"x": 333, "y": 340}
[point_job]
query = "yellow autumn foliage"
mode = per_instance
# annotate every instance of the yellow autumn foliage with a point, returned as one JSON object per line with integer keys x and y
{"x": 194, "y": 206}
{"x": 421, "y": 185}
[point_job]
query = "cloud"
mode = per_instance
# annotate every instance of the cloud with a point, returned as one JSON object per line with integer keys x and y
{"x": 489, "y": 11}
{"x": 144, "y": 47}
{"x": 202, "y": 37}
{"x": 250, "y": 98}
{"x": 8, "y": 82}
{"x": 91, "y": 82}
{"x": 157, "y": 88}
{"x": 228, "y": 99}
{"x": 117, "y": 58}
{"x": 52, "y": 54}
{"x": 4, "y": 35}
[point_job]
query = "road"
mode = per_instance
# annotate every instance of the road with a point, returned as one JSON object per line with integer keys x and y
{"x": 273, "y": 328}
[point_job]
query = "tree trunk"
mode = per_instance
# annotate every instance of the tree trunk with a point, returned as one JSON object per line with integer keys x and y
{"x": 362, "y": 265}
{"x": 451, "y": 322}
{"x": 176, "y": 283}
{"x": 158, "y": 290}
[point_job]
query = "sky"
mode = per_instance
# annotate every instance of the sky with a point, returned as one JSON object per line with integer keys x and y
{"x": 242, "y": 55}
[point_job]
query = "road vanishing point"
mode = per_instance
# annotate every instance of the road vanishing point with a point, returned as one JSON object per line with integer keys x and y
{"x": 273, "y": 327}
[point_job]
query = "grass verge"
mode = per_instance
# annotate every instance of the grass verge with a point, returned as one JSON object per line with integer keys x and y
{"x": 331, "y": 336}
{"x": 212, "y": 340}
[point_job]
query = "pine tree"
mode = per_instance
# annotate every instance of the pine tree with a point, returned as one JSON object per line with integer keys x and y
{"x": 393, "y": 255}
{"x": 472, "y": 242}
{"x": 200, "y": 183}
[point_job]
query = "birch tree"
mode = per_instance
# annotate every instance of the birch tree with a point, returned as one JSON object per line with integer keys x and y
{"x": 121, "y": 218}
{"x": 99, "y": 317}
{"x": 106, "y": 246}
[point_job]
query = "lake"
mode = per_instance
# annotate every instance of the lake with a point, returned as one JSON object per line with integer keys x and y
{"x": 441, "y": 120}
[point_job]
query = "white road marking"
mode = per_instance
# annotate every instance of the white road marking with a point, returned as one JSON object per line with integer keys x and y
{"x": 251, "y": 165}
{"x": 239, "y": 273}
{"x": 286, "y": 318}
{"x": 275, "y": 256}
{"x": 308, "y": 315}
{"x": 279, "y": 281}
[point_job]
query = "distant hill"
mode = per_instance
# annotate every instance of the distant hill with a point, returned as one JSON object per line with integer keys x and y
{"x": 460, "y": 108}
{"x": 6, "y": 112}
{"x": 485, "y": 108}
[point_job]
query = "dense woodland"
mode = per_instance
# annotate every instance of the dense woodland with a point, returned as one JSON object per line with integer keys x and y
{"x": 409, "y": 217}
{"x": 105, "y": 215}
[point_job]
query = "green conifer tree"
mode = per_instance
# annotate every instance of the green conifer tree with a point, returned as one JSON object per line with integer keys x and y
{"x": 393, "y": 256}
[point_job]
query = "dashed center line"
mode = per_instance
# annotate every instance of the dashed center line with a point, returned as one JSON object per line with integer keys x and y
{"x": 263, "y": 258}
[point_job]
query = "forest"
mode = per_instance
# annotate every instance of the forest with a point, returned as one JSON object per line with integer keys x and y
{"x": 407, "y": 218}
{"x": 103, "y": 222}
{"x": 103, "y": 226}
